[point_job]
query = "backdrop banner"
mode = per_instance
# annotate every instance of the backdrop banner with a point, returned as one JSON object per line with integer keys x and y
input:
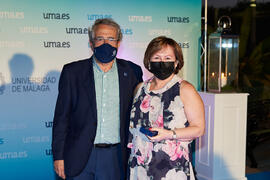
{"x": 38, "y": 37}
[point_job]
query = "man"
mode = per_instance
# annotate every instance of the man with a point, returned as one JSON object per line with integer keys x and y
{"x": 91, "y": 117}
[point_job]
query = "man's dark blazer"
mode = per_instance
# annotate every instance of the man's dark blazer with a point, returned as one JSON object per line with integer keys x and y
{"x": 75, "y": 117}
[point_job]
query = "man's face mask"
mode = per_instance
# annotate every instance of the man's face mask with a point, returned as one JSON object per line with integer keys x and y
{"x": 105, "y": 53}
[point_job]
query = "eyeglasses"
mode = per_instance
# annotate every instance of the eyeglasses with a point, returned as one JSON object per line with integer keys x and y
{"x": 101, "y": 40}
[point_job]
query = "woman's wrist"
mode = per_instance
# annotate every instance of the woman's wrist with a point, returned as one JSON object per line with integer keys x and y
{"x": 173, "y": 134}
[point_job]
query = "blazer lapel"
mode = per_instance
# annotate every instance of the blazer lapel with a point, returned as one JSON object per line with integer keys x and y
{"x": 89, "y": 85}
{"x": 123, "y": 81}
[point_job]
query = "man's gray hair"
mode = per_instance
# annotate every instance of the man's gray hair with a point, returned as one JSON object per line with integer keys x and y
{"x": 106, "y": 21}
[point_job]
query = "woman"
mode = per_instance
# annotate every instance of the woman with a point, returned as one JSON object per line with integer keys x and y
{"x": 169, "y": 105}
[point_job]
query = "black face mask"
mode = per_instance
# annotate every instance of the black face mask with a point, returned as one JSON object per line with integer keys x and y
{"x": 162, "y": 70}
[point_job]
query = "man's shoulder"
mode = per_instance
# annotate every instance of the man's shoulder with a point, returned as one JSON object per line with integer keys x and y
{"x": 76, "y": 63}
{"x": 131, "y": 67}
{"x": 128, "y": 63}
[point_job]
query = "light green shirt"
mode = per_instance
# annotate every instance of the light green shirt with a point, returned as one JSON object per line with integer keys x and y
{"x": 108, "y": 106}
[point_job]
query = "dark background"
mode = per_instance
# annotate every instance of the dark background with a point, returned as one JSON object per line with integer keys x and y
{"x": 251, "y": 21}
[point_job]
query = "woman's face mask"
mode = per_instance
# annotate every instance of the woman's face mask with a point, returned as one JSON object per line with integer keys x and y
{"x": 163, "y": 63}
{"x": 162, "y": 70}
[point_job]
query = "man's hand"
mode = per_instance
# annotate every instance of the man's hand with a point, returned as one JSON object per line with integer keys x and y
{"x": 59, "y": 168}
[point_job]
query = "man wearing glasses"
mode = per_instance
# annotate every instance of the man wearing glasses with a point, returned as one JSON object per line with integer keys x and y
{"x": 91, "y": 119}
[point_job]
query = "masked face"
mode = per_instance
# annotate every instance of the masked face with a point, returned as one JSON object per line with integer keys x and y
{"x": 105, "y": 53}
{"x": 163, "y": 63}
{"x": 162, "y": 70}
{"x": 105, "y": 43}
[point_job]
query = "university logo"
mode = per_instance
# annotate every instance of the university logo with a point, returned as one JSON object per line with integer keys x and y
{"x": 11, "y": 44}
{"x": 93, "y": 17}
{"x": 11, "y": 15}
{"x": 126, "y": 31}
{"x": 178, "y": 19}
{"x": 1, "y": 141}
{"x": 48, "y": 152}
{"x": 57, "y": 16}
{"x": 159, "y": 32}
{"x": 140, "y": 18}
{"x": 48, "y": 124}
{"x": 76, "y": 30}
{"x": 56, "y": 44}
{"x": 184, "y": 44}
{"x": 2, "y": 84}
{"x": 34, "y": 30}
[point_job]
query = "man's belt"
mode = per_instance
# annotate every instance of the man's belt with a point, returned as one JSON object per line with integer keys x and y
{"x": 104, "y": 145}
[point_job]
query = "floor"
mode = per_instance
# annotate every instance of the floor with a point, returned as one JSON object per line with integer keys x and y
{"x": 262, "y": 155}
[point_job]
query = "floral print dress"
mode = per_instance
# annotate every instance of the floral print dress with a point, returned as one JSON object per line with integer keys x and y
{"x": 167, "y": 159}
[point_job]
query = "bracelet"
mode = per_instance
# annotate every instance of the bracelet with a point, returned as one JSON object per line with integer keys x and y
{"x": 174, "y": 134}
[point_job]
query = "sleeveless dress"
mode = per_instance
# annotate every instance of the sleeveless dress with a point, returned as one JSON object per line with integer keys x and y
{"x": 167, "y": 159}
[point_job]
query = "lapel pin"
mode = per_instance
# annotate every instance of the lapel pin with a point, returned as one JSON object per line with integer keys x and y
{"x": 125, "y": 74}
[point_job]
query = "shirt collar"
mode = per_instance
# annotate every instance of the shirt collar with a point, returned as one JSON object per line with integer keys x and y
{"x": 96, "y": 66}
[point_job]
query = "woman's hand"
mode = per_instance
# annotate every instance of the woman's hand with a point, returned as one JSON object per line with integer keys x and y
{"x": 163, "y": 134}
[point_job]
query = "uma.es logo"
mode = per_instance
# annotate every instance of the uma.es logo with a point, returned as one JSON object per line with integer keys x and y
{"x": 178, "y": 19}
{"x": 56, "y": 44}
{"x": 93, "y": 17}
{"x": 2, "y": 84}
{"x": 48, "y": 152}
{"x": 184, "y": 44}
{"x": 2, "y": 141}
{"x": 57, "y": 16}
{"x": 48, "y": 124}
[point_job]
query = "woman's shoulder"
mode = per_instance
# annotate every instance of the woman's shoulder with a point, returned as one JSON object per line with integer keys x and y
{"x": 188, "y": 93}
{"x": 138, "y": 88}
{"x": 185, "y": 84}
{"x": 187, "y": 88}
{"x": 142, "y": 85}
